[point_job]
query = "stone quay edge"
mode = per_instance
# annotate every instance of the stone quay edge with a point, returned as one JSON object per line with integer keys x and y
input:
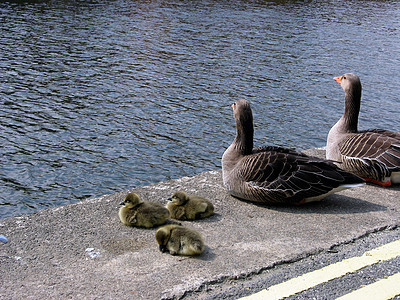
{"x": 83, "y": 251}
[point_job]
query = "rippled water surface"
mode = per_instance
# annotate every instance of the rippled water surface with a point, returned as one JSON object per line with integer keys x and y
{"x": 102, "y": 96}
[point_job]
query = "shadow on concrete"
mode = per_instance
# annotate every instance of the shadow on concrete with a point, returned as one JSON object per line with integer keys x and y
{"x": 334, "y": 204}
{"x": 395, "y": 187}
{"x": 216, "y": 217}
{"x": 207, "y": 255}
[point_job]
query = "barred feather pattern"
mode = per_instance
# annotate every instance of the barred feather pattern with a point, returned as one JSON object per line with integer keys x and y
{"x": 392, "y": 134}
{"x": 371, "y": 154}
{"x": 279, "y": 175}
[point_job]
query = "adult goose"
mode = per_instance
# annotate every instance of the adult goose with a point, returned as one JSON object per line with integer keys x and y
{"x": 372, "y": 154}
{"x": 274, "y": 174}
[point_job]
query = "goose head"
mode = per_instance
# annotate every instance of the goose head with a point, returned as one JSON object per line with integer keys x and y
{"x": 242, "y": 112}
{"x": 349, "y": 82}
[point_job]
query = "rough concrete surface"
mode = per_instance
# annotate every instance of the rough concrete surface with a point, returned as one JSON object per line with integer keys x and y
{"x": 83, "y": 250}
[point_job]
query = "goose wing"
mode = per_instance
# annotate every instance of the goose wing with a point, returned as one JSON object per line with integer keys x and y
{"x": 279, "y": 150}
{"x": 392, "y": 134}
{"x": 377, "y": 149}
{"x": 276, "y": 173}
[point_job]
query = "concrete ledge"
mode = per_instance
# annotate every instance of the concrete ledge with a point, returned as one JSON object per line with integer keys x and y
{"x": 83, "y": 250}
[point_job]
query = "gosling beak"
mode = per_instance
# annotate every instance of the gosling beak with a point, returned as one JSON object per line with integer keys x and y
{"x": 338, "y": 79}
{"x": 122, "y": 203}
{"x": 163, "y": 248}
{"x": 169, "y": 199}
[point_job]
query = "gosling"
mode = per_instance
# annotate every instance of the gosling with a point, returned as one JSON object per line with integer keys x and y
{"x": 189, "y": 207}
{"x": 179, "y": 240}
{"x": 139, "y": 213}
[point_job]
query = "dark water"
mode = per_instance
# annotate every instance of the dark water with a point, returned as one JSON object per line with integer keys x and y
{"x": 102, "y": 96}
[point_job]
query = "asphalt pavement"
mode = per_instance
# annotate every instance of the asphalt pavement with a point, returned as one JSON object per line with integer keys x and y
{"x": 317, "y": 276}
{"x": 83, "y": 251}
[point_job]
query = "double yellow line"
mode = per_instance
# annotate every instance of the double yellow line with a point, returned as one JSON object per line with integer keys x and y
{"x": 383, "y": 289}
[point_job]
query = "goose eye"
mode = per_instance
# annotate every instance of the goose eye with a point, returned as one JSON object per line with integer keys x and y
{"x": 344, "y": 77}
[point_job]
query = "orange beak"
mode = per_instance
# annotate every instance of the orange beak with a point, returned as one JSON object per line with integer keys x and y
{"x": 338, "y": 79}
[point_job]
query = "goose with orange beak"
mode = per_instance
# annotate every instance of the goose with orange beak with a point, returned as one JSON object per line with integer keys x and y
{"x": 372, "y": 154}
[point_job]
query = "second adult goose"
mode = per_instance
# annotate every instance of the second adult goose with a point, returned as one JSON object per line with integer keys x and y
{"x": 275, "y": 174}
{"x": 372, "y": 154}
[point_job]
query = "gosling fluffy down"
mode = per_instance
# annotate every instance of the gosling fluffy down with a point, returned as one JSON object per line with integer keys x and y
{"x": 179, "y": 240}
{"x": 189, "y": 207}
{"x": 139, "y": 213}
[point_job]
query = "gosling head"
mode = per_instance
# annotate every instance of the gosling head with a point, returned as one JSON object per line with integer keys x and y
{"x": 179, "y": 198}
{"x": 163, "y": 235}
{"x": 131, "y": 200}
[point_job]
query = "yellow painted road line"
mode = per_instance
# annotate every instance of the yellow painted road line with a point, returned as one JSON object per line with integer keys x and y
{"x": 314, "y": 278}
{"x": 381, "y": 290}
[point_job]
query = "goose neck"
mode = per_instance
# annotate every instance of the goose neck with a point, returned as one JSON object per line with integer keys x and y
{"x": 352, "y": 109}
{"x": 244, "y": 137}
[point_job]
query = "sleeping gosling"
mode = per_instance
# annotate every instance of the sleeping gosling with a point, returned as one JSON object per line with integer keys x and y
{"x": 189, "y": 207}
{"x": 139, "y": 213}
{"x": 179, "y": 240}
